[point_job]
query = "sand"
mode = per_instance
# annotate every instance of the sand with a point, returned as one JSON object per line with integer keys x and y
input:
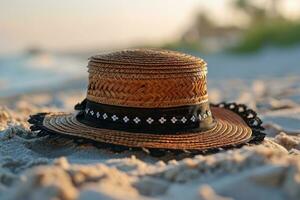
{"x": 33, "y": 167}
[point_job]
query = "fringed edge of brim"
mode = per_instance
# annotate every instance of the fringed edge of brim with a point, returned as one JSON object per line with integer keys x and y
{"x": 248, "y": 115}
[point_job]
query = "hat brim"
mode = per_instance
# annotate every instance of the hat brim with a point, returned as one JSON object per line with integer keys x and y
{"x": 230, "y": 129}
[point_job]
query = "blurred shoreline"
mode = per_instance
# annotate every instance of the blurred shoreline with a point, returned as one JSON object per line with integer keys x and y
{"x": 44, "y": 72}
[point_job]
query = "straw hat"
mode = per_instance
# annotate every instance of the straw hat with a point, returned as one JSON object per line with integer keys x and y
{"x": 152, "y": 99}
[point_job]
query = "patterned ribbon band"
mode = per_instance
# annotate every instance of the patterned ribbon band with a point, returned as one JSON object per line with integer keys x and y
{"x": 182, "y": 119}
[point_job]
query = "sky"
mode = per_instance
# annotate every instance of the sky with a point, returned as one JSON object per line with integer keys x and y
{"x": 70, "y": 25}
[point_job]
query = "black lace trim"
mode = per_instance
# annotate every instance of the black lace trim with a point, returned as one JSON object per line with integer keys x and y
{"x": 249, "y": 116}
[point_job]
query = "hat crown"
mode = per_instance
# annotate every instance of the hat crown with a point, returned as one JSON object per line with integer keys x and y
{"x": 147, "y": 58}
{"x": 147, "y": 78}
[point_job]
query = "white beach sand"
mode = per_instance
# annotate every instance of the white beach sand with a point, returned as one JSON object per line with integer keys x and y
{"x": 42, "y": 168}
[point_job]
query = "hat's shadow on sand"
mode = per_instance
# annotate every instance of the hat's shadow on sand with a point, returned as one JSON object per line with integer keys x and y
{"x": 55, "y": 147}
{"x": 59, "y": 146}
{"x": 50, "y": 147}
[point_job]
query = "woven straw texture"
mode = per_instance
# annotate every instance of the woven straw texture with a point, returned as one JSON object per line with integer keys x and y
{"x": 154, "y": 79}
{"x": 147, "y": 78}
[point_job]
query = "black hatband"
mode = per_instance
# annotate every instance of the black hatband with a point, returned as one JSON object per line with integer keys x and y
{"x": 192, "y": 118}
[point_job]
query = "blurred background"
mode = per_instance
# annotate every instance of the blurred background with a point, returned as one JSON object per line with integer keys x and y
{"x": 252, "y": 46}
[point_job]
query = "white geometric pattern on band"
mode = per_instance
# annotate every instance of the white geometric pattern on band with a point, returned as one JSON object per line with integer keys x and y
{"x": 150, "y": 120}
